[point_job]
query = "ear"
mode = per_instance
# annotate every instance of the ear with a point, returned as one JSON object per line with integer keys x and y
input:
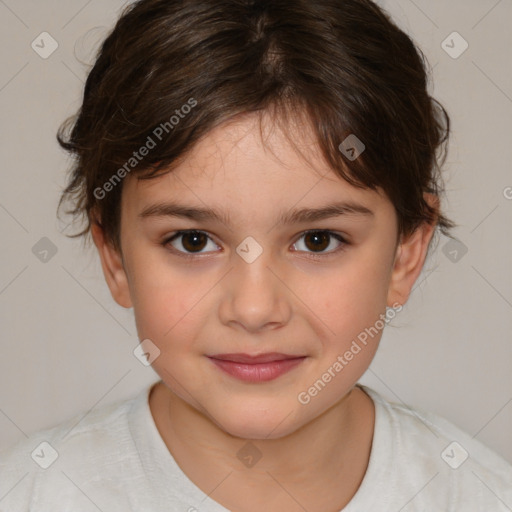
{"x": 409, "y": 259}
{"x": 113, "y": 267}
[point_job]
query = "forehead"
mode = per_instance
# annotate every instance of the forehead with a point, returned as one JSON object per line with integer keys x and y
{"x": 254, "y": 165}
{"x": 260, "y": 143}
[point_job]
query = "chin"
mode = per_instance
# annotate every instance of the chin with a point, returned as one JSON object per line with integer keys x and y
{"x": 256, "y": 424}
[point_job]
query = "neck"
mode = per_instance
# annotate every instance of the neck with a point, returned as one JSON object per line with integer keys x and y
{"x": 329, "y": 454}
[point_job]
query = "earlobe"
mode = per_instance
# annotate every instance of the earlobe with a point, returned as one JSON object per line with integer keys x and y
{"x": 409, "y": 259}
{"x": 113, "y": 267}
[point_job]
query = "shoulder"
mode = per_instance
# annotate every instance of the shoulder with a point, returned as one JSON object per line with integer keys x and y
{"x": 61, "y": 462}
{"x": 455, "y": 468}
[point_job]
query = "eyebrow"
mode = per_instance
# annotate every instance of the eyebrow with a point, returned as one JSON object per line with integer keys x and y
{"x": 172, "y": 209}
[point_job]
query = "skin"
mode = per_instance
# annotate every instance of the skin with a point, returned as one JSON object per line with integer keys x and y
{"x": 313, "y": 455}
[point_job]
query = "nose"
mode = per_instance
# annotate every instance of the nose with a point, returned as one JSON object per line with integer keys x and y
{"x": 255, "y": 297}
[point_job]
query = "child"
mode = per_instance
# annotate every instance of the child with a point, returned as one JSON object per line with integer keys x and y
{"x": 261, "y": 180}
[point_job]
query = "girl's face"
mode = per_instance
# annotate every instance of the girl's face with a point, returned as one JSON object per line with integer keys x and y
{"x": 251, "y": 280}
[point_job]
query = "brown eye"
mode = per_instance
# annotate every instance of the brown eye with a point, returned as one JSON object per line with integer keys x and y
{"x": 194, "y": 241}
{"x": 316, "y": 242}
{"x": 190, "y": 241}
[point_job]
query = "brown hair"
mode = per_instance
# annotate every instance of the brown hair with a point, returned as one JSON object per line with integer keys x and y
{"x": 179, "y": 68}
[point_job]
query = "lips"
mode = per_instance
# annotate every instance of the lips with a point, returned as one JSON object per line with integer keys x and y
{"x": 256, "y": 368}
{"x": 254, "y": 359}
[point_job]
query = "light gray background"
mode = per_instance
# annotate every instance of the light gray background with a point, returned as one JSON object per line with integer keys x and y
{"x": 67, "y": 347}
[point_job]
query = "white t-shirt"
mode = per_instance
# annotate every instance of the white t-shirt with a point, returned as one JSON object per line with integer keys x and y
{"x": 114, "y": 460}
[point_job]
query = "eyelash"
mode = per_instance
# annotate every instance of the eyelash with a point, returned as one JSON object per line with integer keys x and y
{"x": 165, "y": 243}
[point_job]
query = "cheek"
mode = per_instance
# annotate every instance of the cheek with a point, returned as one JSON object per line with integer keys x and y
{"x": 165, "y": 302}
{"x": 348, "y": 305}
{"x": 349, "y": 298}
